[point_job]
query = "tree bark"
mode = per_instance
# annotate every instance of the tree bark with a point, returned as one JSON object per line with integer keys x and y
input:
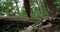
{"x": 50, "y": 4}
{"x": 27, "y": 7}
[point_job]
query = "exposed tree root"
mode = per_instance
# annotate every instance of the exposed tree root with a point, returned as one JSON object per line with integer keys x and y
{"x": 49, "y": 24}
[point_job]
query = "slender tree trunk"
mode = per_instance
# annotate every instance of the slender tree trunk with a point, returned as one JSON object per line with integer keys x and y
{"x": 50, "y": 4}
{"x": 27, "y": 7}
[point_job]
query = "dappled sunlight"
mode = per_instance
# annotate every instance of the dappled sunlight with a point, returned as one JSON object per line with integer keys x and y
{"x": 14, "y": 7}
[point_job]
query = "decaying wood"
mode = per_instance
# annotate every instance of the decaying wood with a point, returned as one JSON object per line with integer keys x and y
{"x": 49, "y": 24}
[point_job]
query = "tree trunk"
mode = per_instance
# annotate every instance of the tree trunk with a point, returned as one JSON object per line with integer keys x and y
{"x": 27, "y": 7}
{"x": 50, "y": 4}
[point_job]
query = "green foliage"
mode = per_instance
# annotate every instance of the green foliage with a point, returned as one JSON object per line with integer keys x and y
{"x": 57, "y": 6}
{"x": 11, "y": 8}
{"x": 38, "y": 8}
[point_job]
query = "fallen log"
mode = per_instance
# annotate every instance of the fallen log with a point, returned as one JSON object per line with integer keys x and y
{"x": 17, "y": 19}
{"x": 7, "y": 23}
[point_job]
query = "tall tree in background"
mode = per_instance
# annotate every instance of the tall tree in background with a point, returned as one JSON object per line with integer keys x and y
{"x": 27, "y": 7}
{"x": 50, "y": 4}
